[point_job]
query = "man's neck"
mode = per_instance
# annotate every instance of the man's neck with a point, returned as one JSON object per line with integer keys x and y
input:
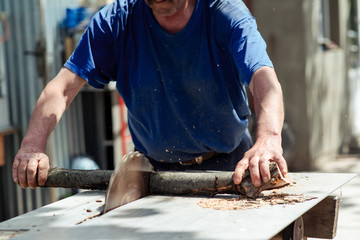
{"x": 177, "y": 21}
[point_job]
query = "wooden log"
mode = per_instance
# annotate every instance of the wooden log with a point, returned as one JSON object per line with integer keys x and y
{"x": 173, "y": 183}
{"x": 198, "y": 183}
{"x": 211, "y": 183}
{"x": 81, "y": 179}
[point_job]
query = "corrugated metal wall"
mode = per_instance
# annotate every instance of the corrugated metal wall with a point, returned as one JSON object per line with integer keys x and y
{"x": 35, "y": 22}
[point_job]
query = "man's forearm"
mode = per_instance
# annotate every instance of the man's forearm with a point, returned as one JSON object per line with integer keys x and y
{"x": 44, "y": 118}
{"x": 268, "y": 103}
{"x": 52, "y": 103}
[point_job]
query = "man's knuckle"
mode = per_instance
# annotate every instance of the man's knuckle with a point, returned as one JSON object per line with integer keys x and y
{"x": 279, "y": 160}
{"x": 15, "y": 166}
{"x": 42, "y": 168}
{"x": 22, "y": 170}
{"x": 264, "y": 159}
{"x": 253, "y": 164}
{"x": 31, "y": 171}
{"x": 241, "y": 164}
{"x": 32, "y": 164}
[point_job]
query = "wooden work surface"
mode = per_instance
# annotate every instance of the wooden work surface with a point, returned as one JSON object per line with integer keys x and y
{"x": 166, "y": 217}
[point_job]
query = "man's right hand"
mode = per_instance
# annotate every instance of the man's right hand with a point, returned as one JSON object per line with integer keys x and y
{"x": 30, "y": 163}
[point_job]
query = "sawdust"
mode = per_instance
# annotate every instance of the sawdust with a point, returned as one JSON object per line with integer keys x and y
{"x": 243, "y": 203}
{"x": 89, "y": 218}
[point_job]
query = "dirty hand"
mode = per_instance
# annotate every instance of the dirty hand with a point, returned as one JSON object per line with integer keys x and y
{"x": 30, "y": 162}
{"x": 257, "y": 160}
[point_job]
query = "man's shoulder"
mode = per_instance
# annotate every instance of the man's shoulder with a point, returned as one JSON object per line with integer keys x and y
{"x": 120, "y": 8}
{"x": 229, "y": 9}
{"x": 127, "y": 4}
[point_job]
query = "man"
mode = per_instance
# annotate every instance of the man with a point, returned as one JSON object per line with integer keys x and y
{"x": 181, "y": 67}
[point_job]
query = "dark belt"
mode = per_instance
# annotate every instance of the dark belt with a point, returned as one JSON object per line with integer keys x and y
{"x": 199, "y": 160}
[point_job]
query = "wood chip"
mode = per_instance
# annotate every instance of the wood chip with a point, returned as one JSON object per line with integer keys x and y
{"x": 242, "y": 203}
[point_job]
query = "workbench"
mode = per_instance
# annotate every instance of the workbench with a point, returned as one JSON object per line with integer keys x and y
{"x": 181, "y": 217}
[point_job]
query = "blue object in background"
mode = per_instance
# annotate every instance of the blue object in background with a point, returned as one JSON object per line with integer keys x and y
{"x": 74, "y": 16}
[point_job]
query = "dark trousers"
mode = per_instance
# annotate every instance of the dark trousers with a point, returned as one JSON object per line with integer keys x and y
{"x": 219, "y": 162}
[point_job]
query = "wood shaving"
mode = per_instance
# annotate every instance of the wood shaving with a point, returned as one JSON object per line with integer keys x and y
{"x": 230, "y": 204}
{"x": 242, "y": 203}
{"x": 89, "y": 218}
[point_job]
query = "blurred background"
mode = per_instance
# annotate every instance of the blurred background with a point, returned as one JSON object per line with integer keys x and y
{"x": 314, "y": 45}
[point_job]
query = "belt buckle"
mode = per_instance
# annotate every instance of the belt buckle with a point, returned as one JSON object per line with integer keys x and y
{"x": 197, "y": 160}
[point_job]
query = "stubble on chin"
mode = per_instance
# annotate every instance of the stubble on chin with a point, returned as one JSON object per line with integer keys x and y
{"x": 151, "y": 2}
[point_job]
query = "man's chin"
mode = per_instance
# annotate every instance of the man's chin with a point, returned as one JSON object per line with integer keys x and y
{"x": 163, "y": 11}
{"x": 162, "y": 8}
{"x": 151, "y": 2}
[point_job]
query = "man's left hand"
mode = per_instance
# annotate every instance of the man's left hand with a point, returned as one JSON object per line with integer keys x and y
{"x": 266, "y": 149}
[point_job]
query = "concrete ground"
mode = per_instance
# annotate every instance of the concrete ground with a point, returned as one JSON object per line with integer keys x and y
{"x": 349, "y": 213}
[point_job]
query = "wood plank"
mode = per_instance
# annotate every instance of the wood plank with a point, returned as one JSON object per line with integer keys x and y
{"x": 5, "y": 235}
{"x": 8, "y": 130}
{"x": 3, "y": 133}
{"x": 165, "y": 217}
{"x": 294, "y": 231}
{"x": 66, "y": 212}
{"x": 321, "y": 220}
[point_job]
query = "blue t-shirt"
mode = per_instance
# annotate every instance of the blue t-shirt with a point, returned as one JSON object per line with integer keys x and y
{"x": 185, "y": 92}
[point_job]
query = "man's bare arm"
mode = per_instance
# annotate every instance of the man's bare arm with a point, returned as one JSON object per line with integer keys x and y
{"x": 52, "y": 103}
{"x": 269, "y": 110}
